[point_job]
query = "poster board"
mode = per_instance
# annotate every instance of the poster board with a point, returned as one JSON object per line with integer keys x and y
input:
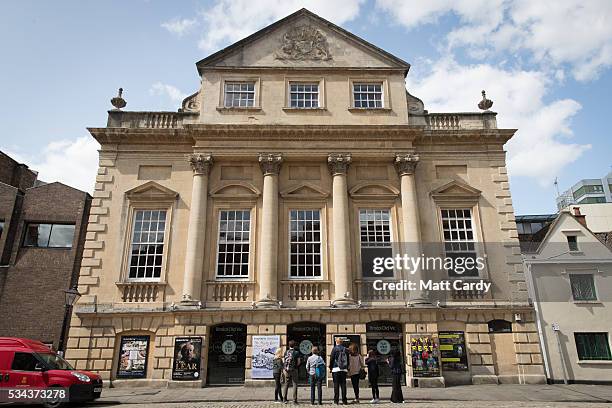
{"x": 133, "y": 357}
{"x": 453, "y": 354}
{"x": 425, "y": 356}
{"x": 264, "y": 348}
{"x": 187, "y": 358}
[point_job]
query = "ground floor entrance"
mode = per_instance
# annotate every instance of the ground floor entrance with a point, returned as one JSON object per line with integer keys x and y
{"x": 227, "y": 354}
{"x": 307, "y": 335}
{"x": 385, "y": 337}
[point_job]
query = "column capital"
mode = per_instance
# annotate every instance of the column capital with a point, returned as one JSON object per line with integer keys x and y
{"x": 338, "y": 163}
{"x": 405, "y": 163}
{"x": 200, "y": 163}
{"x": 270, "y": 163}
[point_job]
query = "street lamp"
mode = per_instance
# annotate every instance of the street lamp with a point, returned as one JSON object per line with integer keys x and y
{"x": 71, "y": 296}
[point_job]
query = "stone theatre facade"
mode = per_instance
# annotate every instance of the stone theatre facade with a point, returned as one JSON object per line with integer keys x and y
{"x": 249, "y": 212}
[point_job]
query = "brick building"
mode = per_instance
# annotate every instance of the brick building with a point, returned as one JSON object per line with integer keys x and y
{"x": 247, "y": 219}
{"x": 41, "y": 242}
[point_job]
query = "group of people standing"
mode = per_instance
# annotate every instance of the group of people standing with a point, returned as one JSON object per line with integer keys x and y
{"x": 345, "y": 362}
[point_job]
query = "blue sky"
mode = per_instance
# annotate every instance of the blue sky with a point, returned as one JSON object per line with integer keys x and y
{"x": 545, "y": 64}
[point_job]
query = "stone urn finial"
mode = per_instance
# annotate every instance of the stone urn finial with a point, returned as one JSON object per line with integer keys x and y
{"x": 118, "y": 102}
{"x": 485, "y": 104}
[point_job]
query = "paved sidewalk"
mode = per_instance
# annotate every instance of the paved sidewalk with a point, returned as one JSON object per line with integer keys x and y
{"x": 513, "y": 395}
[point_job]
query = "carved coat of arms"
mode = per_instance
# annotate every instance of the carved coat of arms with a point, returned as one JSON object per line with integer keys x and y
{"x": 304, "y": 43}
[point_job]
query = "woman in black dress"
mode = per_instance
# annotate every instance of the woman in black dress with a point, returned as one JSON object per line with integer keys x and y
{"x": 397, "y": 370}
{"x": 371, "y": 362}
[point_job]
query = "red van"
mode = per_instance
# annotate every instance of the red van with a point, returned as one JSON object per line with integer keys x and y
{"x": 30, "y": 364}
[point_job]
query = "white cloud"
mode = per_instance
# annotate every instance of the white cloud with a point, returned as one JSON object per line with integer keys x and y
{"x": 231, "y": 20}
{"x": 541, "y": 147}
{"x": 178, "y": 26}
{"x": 575, "y": 33}
{"x": 170, "y": 92}
{"x": 72, "y": 162}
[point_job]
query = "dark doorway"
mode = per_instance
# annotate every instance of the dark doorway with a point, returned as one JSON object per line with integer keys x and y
{"x": 306, "y": 335}
{"x": 227, "y": 354}
{"x": 384, "y": 337}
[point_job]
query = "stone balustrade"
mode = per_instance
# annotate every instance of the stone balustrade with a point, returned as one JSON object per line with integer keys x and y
{"x": 228, "y": 291}
{"x": 148, "y": 120}
{"x": 141, "y": 292}
{"x": 455, "y": 121}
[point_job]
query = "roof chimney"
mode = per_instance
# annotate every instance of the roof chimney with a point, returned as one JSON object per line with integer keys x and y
{"x": 581, "y": 218}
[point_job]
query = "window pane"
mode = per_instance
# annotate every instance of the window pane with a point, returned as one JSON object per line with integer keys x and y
{"x": 147, "y": 244}
{"x": 367, "y": 95}
{"x": 24, "y": 362}
{"x": 304, "y": 243}
{"x": 592, "y": 346}
{"x": 239, "y": 94}
{"x": 37, "y": 235}
{"x": 304, "y": 95}
{"x": 233, "y": 243}
{"x": 583, "y": 287}
{"x": 61, "y": 236}
{"x": 459, "y": 238}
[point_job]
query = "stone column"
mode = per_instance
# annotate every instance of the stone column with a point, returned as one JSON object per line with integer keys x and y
{"x": 194, "y": 256}
{"x": 270, "y": 164}
{"x": 405, "y": 164}
{"x": 338, "y": 165}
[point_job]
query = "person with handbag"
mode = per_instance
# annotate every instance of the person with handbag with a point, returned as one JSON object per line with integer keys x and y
{"x": 315, "y": 367}
{"x": 371, "y": 362}
{"x": 277, "y": 368}
{"x": 355, "y": 369}
{"x": 397, "y": 371}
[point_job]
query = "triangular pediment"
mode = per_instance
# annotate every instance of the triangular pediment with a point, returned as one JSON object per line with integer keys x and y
{"x": 455, "y": 190}
{"x": 304, "y": 40}
{"x": 151, "y": 191}
{"x": 304, "y": 190}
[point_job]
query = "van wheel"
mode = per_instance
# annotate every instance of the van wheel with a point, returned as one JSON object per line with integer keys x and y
{"x": 53, "y": 403}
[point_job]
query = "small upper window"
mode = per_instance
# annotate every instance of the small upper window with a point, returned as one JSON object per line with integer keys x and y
{"x": 239, "y": 94}
{"x": 583, "y": 287}
{"x": 499, "y": 326}
{"x": 49, "y": 235}
{"x": 367, "y": 95}
{"x": 572, "y": 242}
{"x": 304, "y": 95}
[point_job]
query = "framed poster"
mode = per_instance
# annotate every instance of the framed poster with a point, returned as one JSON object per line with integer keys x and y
{"x": 187, "y": 358}
{"x": 425, "y": 356}
{"x": 347, "y": 339}
{"x": 133, "y": 356}
{"x": 264, "y": 348}
{"x": 453, "y": 355}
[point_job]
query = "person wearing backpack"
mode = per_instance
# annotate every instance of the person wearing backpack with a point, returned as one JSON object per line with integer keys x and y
{"x": 315, "y": 367}
{"x": 291, "y": 363}
{"x": 338, "y": 365}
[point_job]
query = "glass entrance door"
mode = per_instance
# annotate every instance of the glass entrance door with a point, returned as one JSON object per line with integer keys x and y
{"x": 384, "y": 338}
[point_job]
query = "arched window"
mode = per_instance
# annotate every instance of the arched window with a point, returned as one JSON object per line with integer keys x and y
{"x": 500, "y": 326}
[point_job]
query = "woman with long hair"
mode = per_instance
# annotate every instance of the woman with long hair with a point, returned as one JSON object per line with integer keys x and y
{"x": 277, "y": 368}
{"x": 355, "y": 365}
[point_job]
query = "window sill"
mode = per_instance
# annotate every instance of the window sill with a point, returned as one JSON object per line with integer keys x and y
{"x": 601, "y": 362}
{"x": 291, "y": 109}
{"x": 367, "y": 110}
{"x": 238, "y": 108}
{"x": 587, "y": 302}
